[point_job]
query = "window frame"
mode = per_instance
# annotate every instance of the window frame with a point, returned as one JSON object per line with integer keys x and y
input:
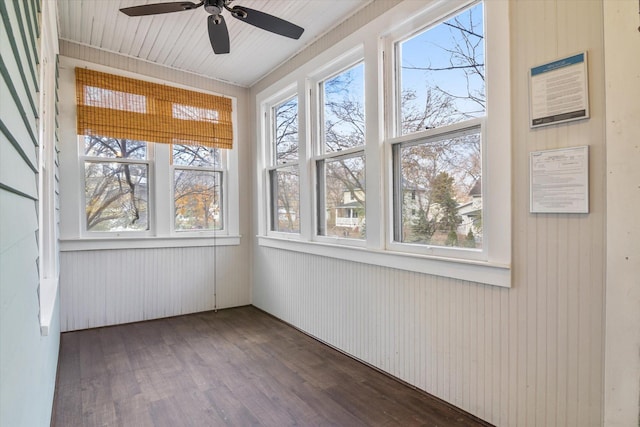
{"x": 320, "y": 215}
{"x": 222, "y": 170}
{"x": 416, "y": 139}
{"x": 345, "y": 62}
{"x": 495, "y": 135}
{"x": 374, "y": 41}
{"x": 148, "y": 161}
{"x": 48, "y": 171}
{"x": 440, "y": 13}
{"x": 272, "y": 162}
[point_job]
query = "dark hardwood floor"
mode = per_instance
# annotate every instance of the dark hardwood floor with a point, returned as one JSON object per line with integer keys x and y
{"x": 235, "y": 367}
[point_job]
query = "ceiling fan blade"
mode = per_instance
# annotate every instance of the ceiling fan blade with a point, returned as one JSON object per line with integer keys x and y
{"x": 267, "y": 22}
{"x": 156, "y": 8}
{"x": 218, "y": 34}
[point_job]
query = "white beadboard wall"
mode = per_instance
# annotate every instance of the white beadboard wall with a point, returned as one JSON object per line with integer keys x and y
{"x": 110, "y": 287}
{"x": 531, "y": 355}
{"x": 106, "y": 287}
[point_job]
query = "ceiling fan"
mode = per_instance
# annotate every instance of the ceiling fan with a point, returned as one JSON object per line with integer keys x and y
{"x": 218, "y": 33}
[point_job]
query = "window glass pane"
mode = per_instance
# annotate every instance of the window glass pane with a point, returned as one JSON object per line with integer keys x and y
{"x": 285, "y": 117}
{"x": 193, "y": 155}
{"x": 197, "y": 200}
{"x": 441, "y": 192}
{"x": 100, "y": 146}
{"x": 342, "y": 204}
{"x": 442, "y": 73}
{"x": 285, "y": 200}
{"x": 116, "y": 196}
{"x": 343, "y": 110}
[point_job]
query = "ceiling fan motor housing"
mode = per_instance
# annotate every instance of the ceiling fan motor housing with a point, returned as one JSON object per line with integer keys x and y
{"x": 214, "y": 7}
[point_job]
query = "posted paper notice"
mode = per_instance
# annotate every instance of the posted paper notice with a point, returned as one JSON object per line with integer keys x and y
{"x": 558, "y": 91}
{"x": 560, "y": 181}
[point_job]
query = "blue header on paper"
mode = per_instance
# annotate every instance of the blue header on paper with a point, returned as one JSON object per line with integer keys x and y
{"x": 572, "y": 60}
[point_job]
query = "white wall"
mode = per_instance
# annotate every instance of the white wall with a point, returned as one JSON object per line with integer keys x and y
{"x": 105, "y": 287}
{"x": 529, "y": 355}
{"x": 622, "y": 351}
{"x": 27, "y": 358}
{"x": 120, "y": 286}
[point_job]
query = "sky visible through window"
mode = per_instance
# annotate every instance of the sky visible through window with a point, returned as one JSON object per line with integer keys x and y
{"x": 445, "y": 64}
{"x": 344, "y": 121}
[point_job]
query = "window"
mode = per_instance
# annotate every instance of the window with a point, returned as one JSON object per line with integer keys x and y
{"x": 116, "y": 184}
{"x": 440, "y": 73}
{"x": 197, "y": 188}
{"x": 438, "y": 194}
{"x": 284, "y": 175}
{"x": 340, "y": 165}
{"x": 420, "y": 182}
{"x": 170, "y": 182}
{"x": 440, "y": 99}
{"x": 118, "y": 187}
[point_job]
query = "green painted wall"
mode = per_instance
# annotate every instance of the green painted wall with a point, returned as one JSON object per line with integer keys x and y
{"x": 28, "y": 360}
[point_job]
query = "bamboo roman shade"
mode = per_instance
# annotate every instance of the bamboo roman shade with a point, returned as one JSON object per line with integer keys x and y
{"x": 121, "y": 107}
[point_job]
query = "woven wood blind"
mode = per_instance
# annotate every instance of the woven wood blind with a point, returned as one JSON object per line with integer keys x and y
{"x": 121, "y": 107}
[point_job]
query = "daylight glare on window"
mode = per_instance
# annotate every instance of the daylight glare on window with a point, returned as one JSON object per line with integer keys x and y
{"x": 442, "y": 73}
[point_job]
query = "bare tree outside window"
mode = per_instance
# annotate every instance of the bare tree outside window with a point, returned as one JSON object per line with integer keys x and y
{"x": 197, "y": 188}
{"x": 438, "y": 178}
{"x": 286, "y": 192}
{"x": 286, "y": 131}
{"x": 343, "y": 199}
{"x": 284, "y": 176}
{"x": 116, "y": 184}
{"x": 341, "y": 177}
{"x": 442, "y": 73}
{"x": 343, "y": 111}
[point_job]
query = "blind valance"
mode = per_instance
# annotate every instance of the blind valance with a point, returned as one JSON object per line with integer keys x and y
{"x": 122, "y": 107}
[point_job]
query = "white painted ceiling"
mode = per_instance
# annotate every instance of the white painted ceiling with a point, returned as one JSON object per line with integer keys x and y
{"x": 180, "y": 40}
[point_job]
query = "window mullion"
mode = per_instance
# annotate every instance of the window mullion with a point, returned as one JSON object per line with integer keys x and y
{"x": 305, "y": 150}
{"x": 163, "y": 194}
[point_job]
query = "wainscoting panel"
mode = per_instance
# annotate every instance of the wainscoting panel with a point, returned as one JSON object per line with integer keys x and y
{"x": 108, "y": 287}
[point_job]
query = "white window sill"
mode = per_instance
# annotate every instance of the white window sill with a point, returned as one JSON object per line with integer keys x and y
{"x": 104, "y": 243}
{"x": 474, "y": 271}
{"x": 48, "y": 298}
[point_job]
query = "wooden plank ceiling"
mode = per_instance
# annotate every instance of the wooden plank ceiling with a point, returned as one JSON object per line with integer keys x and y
{"x": 179, "y": 40}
